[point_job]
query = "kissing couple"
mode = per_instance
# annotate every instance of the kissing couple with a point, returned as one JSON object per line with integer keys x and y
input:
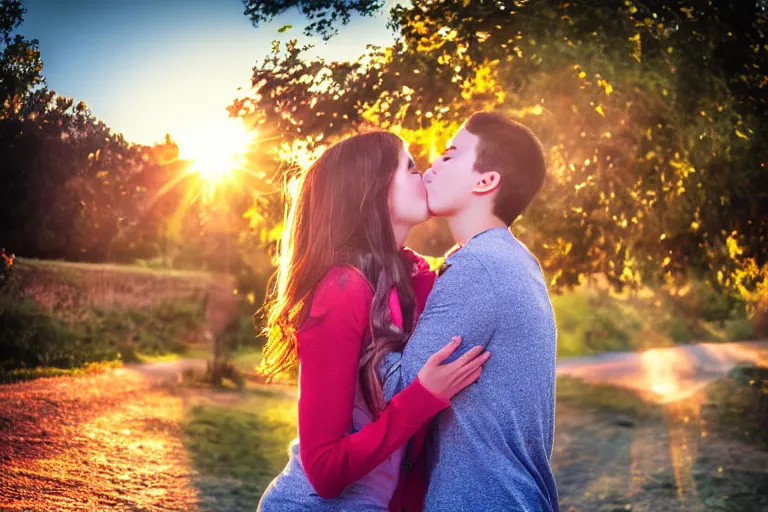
{"x": 416, "y": 391}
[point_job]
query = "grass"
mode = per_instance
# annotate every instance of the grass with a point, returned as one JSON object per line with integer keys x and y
{"x": 735, "y": 406}
{"x": 245, "y": 359}
{"x": 245, "y": 445}
{"x": 600, "y": 397}
{"x": 248, "y": 442}
{"x": 738, "y": 404}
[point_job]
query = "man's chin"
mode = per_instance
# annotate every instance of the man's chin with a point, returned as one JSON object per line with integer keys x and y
{"x": 434, "y": 212}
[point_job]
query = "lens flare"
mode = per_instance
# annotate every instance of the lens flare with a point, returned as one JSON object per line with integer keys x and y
{"x": 215, "y": 149}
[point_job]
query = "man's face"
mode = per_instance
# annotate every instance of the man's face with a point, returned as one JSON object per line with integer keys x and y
{"x": 451, "y": 179}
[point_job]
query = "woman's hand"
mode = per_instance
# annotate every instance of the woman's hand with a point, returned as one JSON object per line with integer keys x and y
{"x": 445, "y": 381}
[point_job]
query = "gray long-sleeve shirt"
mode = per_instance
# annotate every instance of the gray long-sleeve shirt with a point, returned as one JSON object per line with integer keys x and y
{"x": 491, "y": 450}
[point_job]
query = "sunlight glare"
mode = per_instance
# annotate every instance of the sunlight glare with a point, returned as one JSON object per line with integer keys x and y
{"x": 215, "y": 148}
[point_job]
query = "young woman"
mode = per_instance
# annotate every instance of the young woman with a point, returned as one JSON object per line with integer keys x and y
{"x": 347, "y": 295}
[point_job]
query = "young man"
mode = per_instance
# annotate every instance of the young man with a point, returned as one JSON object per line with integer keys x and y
{"x": 490, "y": 451}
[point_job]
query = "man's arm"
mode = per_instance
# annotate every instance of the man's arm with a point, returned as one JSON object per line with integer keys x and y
{"x": 462, "y": 303}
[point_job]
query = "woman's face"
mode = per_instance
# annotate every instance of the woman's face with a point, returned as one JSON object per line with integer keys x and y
{"x": 407, "y": 195}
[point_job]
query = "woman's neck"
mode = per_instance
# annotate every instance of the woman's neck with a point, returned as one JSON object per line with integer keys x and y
{"x": 401, "y": 234}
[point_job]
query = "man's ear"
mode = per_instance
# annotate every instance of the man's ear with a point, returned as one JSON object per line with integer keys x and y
{"x": 488, "y": 182}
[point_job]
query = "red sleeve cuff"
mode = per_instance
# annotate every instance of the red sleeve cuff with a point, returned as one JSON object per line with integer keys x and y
{"x": 440, "y": 403}
{"x": 420, "y": 403}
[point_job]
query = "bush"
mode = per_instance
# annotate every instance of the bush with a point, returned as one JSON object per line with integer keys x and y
{"x": 740, "y": 328}
{"x": 6, "y": 268}
{"x": 593, "y": 319}
{"x": 588, "y": 324}
{"x": 677, "y": 330}
{"x": 31, "y": 336}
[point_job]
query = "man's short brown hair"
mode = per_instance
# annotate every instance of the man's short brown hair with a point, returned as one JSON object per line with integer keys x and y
{"x": 513, "y": 151}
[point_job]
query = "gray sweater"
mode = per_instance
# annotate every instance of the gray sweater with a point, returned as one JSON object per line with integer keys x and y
{"x": 490, "y": 451}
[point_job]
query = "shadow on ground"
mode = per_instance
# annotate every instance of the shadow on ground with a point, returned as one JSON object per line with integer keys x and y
{"x": 238, "y": 448}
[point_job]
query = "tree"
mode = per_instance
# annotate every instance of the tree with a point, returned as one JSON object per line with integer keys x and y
{"x": 653, "y": 115}
{"x": 20, "y": 64}
{"x": 323, "y": 14}
{"x": 71, "y": 187}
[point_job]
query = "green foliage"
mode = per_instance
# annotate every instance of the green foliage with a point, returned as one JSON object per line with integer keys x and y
{"x": 242, "y": 334}
{"x": 325, "y": 14}
{"x": 20, "y": 62}
{"x": 588, "y": 325}
{"x": 594, "y": 319}
{"x": 740, "y": 328}
{"x": 653, "y": 115}
{"x": 31, "y": 336}
{"x": 677, "y": 330}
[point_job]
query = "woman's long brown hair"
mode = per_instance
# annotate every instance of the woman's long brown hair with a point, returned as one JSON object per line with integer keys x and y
{"x": 340, "y": 214}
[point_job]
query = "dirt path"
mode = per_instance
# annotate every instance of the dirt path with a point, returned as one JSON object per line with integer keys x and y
{"x": 665, "y": 374}
{"x": 109, "y": 441}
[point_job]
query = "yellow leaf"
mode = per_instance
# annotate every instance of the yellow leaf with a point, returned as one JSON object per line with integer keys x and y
{"x": 638, "y": 52}
{"x": 599, "y": 110}
{"x": 742, "y": 135}
{"x": 467, "y": 2}
{"x": 666, "y": 261}
{"x": 733, "y": 247}
{"x": 608, "y": 87}
{"x": 582, "y": 74}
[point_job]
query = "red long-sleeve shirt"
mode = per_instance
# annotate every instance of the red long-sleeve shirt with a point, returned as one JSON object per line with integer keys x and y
{"x": 330, "y": 344}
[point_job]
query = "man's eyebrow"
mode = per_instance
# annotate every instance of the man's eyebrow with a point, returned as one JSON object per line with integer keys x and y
{"x": 450, "y": 147}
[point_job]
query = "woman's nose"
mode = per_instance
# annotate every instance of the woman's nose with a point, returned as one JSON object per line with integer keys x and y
{"x": 428, "y": 175}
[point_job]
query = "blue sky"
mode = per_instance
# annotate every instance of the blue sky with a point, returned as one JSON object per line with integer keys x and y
{"x": 150, "y": 67}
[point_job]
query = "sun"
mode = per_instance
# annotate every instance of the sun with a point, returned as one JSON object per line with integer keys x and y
{"x": 215, "y": 149}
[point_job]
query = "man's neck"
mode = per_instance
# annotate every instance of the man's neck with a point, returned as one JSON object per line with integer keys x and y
{"x": 465, "y": 225}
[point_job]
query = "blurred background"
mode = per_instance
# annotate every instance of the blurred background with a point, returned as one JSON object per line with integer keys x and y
{"x": 145, "y": 151}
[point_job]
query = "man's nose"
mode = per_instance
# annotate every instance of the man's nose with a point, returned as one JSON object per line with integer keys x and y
{"x": 428, "y": 175}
